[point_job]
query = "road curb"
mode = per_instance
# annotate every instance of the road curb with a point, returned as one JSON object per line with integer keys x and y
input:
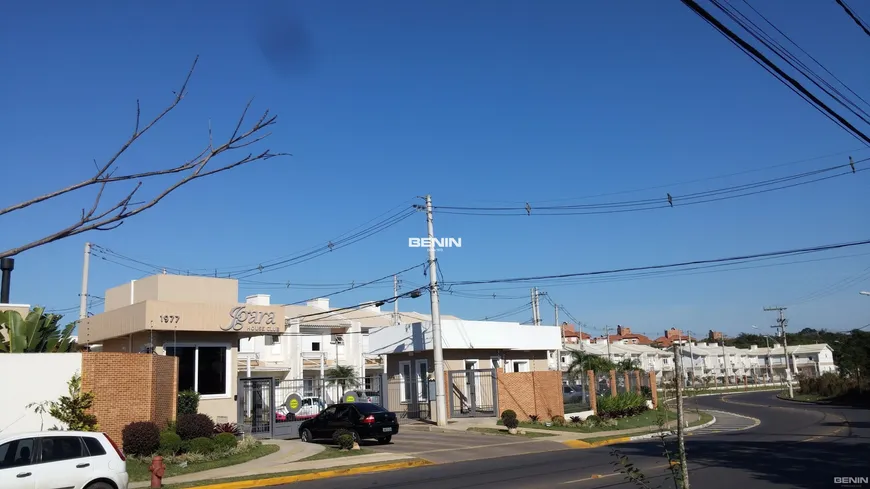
{"x": 325, "y": 474}
{"x": 623, "y": 439}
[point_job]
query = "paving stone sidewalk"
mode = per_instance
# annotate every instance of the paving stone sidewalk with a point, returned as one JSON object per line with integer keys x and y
{"x": 286, "y": 459}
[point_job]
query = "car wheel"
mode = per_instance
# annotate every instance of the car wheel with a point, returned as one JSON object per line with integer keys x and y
{"x": 385, "y": 440}
{"x": 305, "y": 436}
{"x": 100, "y": 485}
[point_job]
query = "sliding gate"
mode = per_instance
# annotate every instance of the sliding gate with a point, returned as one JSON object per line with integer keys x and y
{"x": 271, "y": 408}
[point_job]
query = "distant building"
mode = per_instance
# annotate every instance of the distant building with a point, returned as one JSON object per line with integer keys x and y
{"x": 714, "y": 336}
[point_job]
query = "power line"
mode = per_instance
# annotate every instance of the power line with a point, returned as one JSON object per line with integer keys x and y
{"x": 855, "y": 17}
{"x": 771, "y": 67}
{"x": 354, "y": 287}
{"x": 814, "y": 249}
{"x": 715, "y": 195}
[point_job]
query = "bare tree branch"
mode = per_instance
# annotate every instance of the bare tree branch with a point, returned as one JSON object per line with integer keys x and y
{"x": 93, "y": 219}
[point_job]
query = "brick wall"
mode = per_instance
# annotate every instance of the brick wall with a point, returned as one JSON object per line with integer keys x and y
{"x": 130, "y": 387}
{"x": 528, "y": 393}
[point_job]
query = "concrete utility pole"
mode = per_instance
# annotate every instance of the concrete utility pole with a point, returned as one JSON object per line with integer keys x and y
{"x": 607, "y": 340}
{"x": 561, "y": 339}
{"x": 437, "y": 347}
{"x": 536, "y": 312}
{"x": 396, "y": 303}
{"x": 725, "y": 363}
{"x": 83, "y": 297}
{"x": 782, "y": 323}
{"x": 681, "y": 437}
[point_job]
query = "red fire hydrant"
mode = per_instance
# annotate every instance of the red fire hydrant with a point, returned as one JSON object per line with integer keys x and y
{"x": 157, "y": 469}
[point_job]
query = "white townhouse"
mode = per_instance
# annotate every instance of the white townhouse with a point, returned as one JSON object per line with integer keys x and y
{"x": 648, "y": 358}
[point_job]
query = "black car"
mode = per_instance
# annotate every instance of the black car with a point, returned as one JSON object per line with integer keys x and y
{"x": 362, "y": 419}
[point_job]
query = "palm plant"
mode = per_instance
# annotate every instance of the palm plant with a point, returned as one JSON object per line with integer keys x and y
{"x": 628, "y": 365}
{"x": 343, "y": 376}
{"x": 37, "y": 333}
{"x": 581, "y": 362}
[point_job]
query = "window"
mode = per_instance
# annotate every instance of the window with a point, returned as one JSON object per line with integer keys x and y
{"x": 328, "y": 412}
{"x": 367, "y": 383}
{"x": 521, "y": 366}
{"x": 308, "y": 387}
{"x": 59, "y": 448}
{"x": 273, "y": 339}
{"x": 315, "y": 346}
{"x": 203, "y": 368}
{"x": 366, "y": 408}
{"x": 423, "y": 379}
{"x": 95, "y": 448}
{"x": 16, "y": 453}
{"x": 407, "y": 378}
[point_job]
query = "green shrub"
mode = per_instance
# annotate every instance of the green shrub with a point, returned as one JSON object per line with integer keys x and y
{"x": 592, "y": 419}
{"x": 140, "y": 438}
{"x": 231, "y": 428}
{"x": 646, "y": 392}
{"x": 170, "y": 443}
{"x": 190, "y": 426}
{"x": 187, "y": 402}
{"x": 225, "y": 441}
{"x": 828, "y": 385}
{"x": 344, "y": 441}
{"x": 201, "y": 445}
{"x": 509, "y": 419}
{"x": 508, "y": 413}
{"x": 621, "y": 405}
{"x": 558, "y": 420}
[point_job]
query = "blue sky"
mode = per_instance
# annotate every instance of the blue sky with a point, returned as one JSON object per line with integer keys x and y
{"x": 477, "y": 104}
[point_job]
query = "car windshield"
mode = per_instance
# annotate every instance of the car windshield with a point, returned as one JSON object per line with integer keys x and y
{"x": 366, "y": 408}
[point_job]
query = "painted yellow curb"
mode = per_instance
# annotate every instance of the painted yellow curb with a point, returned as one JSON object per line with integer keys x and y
{"x": 585, "y": 444}
{"x": 326, "y": 474}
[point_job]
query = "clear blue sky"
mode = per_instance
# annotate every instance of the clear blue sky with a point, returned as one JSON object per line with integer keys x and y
{"x": 476, "y": 103}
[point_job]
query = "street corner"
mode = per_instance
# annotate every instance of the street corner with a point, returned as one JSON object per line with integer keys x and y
{"x": 318, "y": 475}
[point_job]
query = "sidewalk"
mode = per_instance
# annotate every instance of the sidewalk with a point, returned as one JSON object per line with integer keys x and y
{"x": 286, "y": 459}
{"x": 463, "y": 425}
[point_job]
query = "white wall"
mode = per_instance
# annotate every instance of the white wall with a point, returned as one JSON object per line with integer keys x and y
{"x": 459, "y": 334}
{"x": 33, "y": 377}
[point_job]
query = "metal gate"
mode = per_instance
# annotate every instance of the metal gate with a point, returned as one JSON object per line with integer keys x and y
{"x": 271, "y": 408}
{"x": 473, "y": 393}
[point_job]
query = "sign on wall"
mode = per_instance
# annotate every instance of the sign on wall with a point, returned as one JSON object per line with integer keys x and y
{"x": 243, "y": 319}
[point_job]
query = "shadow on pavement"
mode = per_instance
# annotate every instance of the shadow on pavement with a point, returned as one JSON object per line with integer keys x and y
{"x": 808, "y": 465}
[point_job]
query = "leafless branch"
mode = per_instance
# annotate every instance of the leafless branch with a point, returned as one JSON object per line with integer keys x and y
{"x": 93, "y": 219}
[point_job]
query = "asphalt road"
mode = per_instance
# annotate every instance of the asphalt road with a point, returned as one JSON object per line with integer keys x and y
{"x": 795, "y": 446}
{"x": 460, "y": 447}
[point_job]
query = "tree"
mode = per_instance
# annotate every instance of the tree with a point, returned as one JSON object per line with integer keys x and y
{"x": 37, "y": 333}
{"x": 72, "y": 410}
{"x": 99, "y": 217}
{"x": 628, "y": 365}
{"x": 343, "y": 376}
{"x": 582, "y": 361}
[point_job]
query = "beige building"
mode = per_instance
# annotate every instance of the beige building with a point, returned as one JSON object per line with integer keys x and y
{"x": 197, "y": 319}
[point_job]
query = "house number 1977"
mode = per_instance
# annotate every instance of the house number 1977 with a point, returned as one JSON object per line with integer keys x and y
{"x": 170, "y": 319}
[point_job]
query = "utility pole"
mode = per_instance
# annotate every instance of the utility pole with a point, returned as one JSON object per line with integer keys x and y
{"x": 561, "y": 339}
{"x": 438, "y": 353}
{"x": 692, "y": 356}
{"x": 536, "y": 311}
{"x": 396, "y": 303}
{"x": 681, "y": 443}
{"x": 83, "y": 297}
{"x": 782, "y": 323}
{"x": 725, "y": 362}
{"x": 607, "y": 340}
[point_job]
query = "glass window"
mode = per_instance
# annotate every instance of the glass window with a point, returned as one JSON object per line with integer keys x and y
{"x": 95, "y": 448}
{"x": 59, "y": 448}
{"x": 366, "y": 408}
{"x": 423, "y": 379}
{"x": 186, "y": 366}
{"x": 212, "y": 370}
{"x": 16, "y": 453}
{"x": 407, "y": 378}
{"x": 328, "y": 412}
{"x": 201, "y": 368}
{"x": 315, "y": 346}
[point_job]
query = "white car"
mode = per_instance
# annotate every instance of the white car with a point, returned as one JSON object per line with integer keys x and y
{"x": 67, "y": 459}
